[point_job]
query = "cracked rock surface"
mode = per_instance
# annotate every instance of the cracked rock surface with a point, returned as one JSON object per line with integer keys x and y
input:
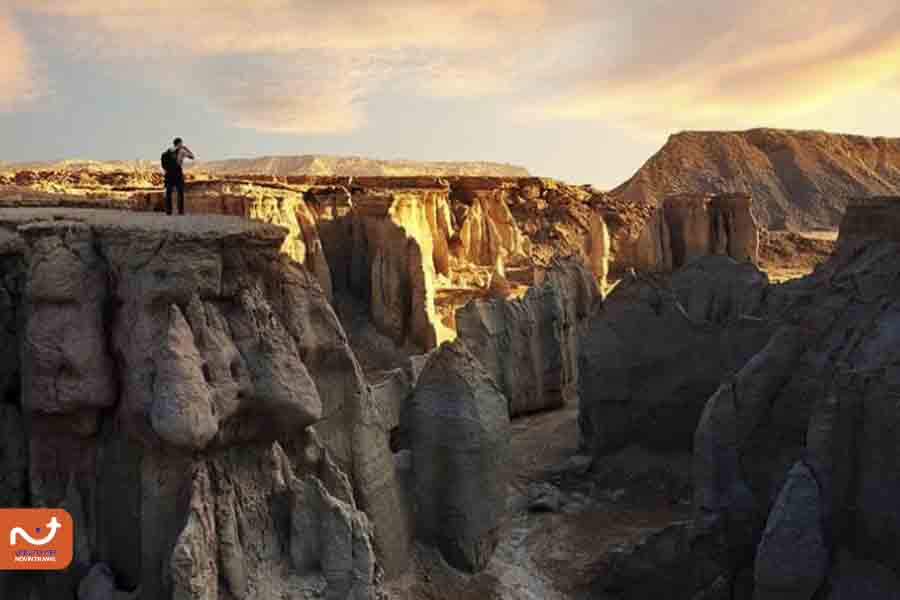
{"x": 187, "y": 393}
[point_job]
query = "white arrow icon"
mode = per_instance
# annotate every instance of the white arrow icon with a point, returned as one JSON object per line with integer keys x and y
{"x": 53, "y": 525}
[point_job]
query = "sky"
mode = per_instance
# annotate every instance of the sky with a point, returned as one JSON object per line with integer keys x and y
{"x": 580, "y": 90}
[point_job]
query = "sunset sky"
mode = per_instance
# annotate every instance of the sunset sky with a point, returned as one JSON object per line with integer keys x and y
{"x": 585, "y": 91}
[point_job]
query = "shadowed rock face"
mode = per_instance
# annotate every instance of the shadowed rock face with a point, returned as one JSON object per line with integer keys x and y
{"x": 188, "y": 394}
{"x": 656, "y": 350}
{"x": 795, "y": 454}
{"x": 460, "y": 437}
{"x": 530, "y": 346}
{"x": 875, "y": 218}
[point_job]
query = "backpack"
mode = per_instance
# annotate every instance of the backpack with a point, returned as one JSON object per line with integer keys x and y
{"x": 169, "y": 161}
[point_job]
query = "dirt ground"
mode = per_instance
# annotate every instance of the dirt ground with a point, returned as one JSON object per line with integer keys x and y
{"x": 567, "y": 519}
{"x": 788, "y": 255}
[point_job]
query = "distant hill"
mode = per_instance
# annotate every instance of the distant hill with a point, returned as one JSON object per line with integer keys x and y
{"x": 310, "y": 164}
{"x": 317, "y": 164}
{"x": 73, "y": 165}
{"x": 799, "y": 179}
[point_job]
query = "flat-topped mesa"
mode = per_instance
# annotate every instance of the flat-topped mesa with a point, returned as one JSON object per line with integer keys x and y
{"x": 873, "y": 218}
{"x": 688, "y": 226}
{"x": 183, "y": 388}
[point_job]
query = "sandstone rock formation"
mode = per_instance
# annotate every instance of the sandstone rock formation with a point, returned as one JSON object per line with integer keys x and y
{"x": 488, "y": 229}
{"x": 188, "y": 394}
{"x": 799, "y": 179}
{"x": 529, "y": 347}
{"x": 460, "y": 436}
{"x": 389, "y": 256}
{"x": 688, "y": 226}
{"x": 269, "y": 203}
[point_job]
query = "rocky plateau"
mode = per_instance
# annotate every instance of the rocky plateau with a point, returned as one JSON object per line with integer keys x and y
{"x": 425, "y": 387}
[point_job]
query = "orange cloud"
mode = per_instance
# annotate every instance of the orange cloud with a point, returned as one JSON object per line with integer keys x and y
{"x": 296, "y": 66}
{"x": 16, "y": 71}
{"x": 307, "y": 66}
{"x": 322, "y": 96}
{"x": 738, "y": 66}
{"x": 284, "y": 26}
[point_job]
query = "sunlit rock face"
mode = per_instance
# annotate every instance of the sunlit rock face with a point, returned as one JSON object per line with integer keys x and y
{"x": 477, "y": 236}
{"x": 386, "y": 250}
{"x": 185, "y": 390}
{"x": 262, "y": 201}
{"x": 488, "y": 229}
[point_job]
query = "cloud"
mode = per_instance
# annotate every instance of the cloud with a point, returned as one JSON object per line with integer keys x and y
{"x": 298, "y": 66}
{"x": 306, "y": 66}
{"x": 323, "y": 94}
{"x": 215, "y": 27}
{"x": 16, "y": 71}
{"x": 729, "y": 65}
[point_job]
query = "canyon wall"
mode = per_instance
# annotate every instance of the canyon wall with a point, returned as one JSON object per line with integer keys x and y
{"x": 188, "y": 394}
{"x": 269, "y": 203}
{"x": 529, "y": 347}
{"x": 689, "y": 226}
{"x": 793, "y": 449}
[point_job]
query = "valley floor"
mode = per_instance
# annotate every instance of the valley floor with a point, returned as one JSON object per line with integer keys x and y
{"x": 567, "y": 522}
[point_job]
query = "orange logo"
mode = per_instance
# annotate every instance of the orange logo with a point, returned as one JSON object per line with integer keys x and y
{"x": 35, "y": 539}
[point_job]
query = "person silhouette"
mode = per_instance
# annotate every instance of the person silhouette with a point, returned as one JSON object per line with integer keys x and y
{"x": 172, "y": 163}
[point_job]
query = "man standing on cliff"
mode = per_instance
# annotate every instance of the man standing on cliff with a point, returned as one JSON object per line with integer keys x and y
{"x": 172, "y": 161}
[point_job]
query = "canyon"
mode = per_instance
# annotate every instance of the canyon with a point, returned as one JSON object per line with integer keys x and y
{"x": 440, "y": 386}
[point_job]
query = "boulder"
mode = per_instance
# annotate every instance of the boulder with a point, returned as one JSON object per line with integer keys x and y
{"x": 792, "y": 557}
{"x": 459, "y": 428}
